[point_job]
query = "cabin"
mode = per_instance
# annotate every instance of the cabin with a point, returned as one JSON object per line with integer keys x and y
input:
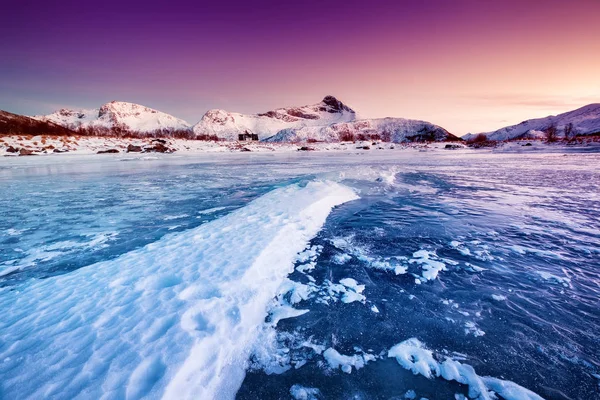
{"x": 247, "y": 136}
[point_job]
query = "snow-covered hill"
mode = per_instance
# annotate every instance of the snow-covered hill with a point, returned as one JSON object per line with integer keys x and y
{"x": 228, "y": 125}
{"x": 120, "y": 116}
{"x": 395, "y": 130}
{"x": 583, "y": 121}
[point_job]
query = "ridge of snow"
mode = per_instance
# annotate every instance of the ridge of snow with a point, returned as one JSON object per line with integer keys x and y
{"x": 585, "y": 120}
{"x": 175, "y": 319}
{"x": 117, "y": 114}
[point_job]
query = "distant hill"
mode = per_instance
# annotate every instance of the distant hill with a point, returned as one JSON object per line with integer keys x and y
{"x": 119, "y": 118}
{"x": 582, "y": 121}
{"x": 14, "y": 124}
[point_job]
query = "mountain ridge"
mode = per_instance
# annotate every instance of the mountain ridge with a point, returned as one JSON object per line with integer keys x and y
{"x": 584, "y": 121}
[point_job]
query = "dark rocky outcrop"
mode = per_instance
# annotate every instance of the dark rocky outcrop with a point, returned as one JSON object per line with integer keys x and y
{"x": 134, "y": 149}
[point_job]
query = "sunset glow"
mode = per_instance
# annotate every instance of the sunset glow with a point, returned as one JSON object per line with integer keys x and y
{"x": 469, "y": 66}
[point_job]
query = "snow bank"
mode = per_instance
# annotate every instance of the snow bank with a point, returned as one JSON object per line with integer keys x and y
{"x": 175, "y": 319}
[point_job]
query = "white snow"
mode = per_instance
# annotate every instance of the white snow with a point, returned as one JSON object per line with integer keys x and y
{"x": 174, "y": 319}
{"x": 414, "y": 356}
{"x": 337, "y": 360}
{"x": 429, "y": 265}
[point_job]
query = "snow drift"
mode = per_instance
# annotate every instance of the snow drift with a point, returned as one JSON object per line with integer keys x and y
{"x": 174, "y": 319}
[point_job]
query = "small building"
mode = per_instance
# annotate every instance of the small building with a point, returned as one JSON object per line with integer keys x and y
{"x": 247, "y": 136}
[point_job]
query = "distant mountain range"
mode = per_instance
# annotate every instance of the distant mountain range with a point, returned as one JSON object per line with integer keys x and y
{"x": 330, "y": 120}
{"x": 117, "y": 116}
{"x": 582, "y": 121}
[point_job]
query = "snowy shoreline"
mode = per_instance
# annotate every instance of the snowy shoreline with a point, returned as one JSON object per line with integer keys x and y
{"x": 43, "y": 145}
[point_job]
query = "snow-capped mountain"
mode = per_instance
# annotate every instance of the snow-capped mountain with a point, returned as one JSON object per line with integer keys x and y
{"x": 228, "y": 125}
{"x": 582, "y": 121}
{"x": 14, "y": 124}
{"x": 395, "y": 130}
{"x": 118, "y": 115}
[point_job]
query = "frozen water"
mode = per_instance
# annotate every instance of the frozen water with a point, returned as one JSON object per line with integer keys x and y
{"x": 188, "y": 276}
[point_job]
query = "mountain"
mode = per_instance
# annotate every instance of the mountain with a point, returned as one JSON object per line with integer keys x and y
{"x": 227, "y": 125}
{"x": 584, "y": 120}
{"x": 117, "y": 117}
{"x": 14, "y": 124}
{"x": 329, "y": 121}
{"x": 395, "y": 130}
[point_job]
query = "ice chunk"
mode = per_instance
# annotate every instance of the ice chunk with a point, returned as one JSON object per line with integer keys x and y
{"x": 299, "y": 392}
{"x": 412, "y": 355}
{"x": 337, "y": 360}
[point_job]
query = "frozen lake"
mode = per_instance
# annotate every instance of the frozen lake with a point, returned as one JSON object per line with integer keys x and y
{"x": 369, "y": 275}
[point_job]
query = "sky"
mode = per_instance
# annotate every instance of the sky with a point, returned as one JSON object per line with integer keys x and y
{"x": 467, "y": 65}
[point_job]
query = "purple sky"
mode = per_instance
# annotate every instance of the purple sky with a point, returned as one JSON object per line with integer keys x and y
{"x": 467, "y": 65}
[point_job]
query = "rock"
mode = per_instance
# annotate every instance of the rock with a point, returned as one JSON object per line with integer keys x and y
{"x": 158, "y": 148}
{"x": 11, "y": 149}
{"x": 60, "y": 151}
{"x": 306, "y": 148}
{"x": 452, "y": 146}
{"x": 134, "y": 149}
{"x": 364, "y": 147}
{"x": 161, "y": 141}
{"x": 527, "y": 144}
{"x": 245, "y": 149}
{"x": 26, "y": 152}
{"x": 109, "y": 151}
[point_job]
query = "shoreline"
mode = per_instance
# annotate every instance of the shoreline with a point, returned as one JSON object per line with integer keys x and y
{"x": 45, "y": 145}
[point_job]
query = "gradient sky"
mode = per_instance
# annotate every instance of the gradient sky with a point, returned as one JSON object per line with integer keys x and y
{"x": 467, "y": 65}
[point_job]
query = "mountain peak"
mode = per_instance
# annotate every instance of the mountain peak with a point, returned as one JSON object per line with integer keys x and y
{"x": 335, "y": 104}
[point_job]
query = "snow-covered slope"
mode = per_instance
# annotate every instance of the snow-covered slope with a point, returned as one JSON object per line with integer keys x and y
{"x": 227, "y": 125}
{"x": 118, "y": 115}
{"x": 584, "y": 120}
{"x": 395, "y": 130}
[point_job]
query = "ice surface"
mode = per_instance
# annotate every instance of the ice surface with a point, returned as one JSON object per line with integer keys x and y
{"x": 174, "y": 319}
{"x": 515, "y": 215}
